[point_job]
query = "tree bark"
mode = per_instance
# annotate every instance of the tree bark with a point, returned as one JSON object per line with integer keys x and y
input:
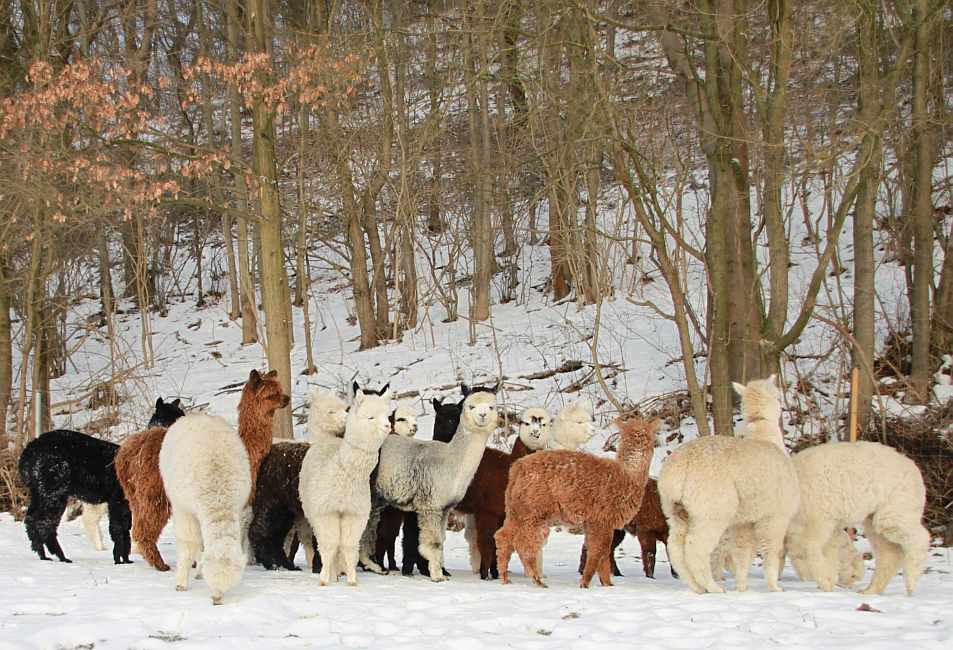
{"x": 6, "y": 345}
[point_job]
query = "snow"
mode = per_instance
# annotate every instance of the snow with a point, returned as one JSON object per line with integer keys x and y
{"x": 93, "y": 603}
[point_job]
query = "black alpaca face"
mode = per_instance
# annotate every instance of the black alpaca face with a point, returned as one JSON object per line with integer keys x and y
{"x": 166, "y": 413}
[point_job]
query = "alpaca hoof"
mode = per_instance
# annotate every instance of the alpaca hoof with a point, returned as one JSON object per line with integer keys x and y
{"x": 46, "y": 559}
{"x": 440, "y": 578}
{"x": 181, "y": 588}
{"x": 162, "y": 567}
{"x": 775, "y": 588}
{"x": 352, "y": 584}
{"x": 216, "y": 600}
{"x": 715, "y": 589}
{"x": 582, "y": 585}
{"x": 323, "y": 583}
{"x": 66, "y": 560}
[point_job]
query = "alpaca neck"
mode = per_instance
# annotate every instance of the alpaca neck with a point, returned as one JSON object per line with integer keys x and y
{"x": 634, "y": 457}
{"x": 466, "y": 449}
{"x": 357, "y": 455}
{"x": 255, "y": 431}
{"x": 766, "y": 431}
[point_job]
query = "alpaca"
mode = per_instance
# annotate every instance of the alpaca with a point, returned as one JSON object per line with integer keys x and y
{"x": 649, "y": 526}
{"x": 573, "y": 487}
{"x": 335, "y": 484}
{"x": 403, "y": 422}
{"x": 711, "y": 485}
{"x": 326, "y": 415}
{"x": 572, "y": 427}
{"x": 276, "y": 511}
{"x": 90, "y": 516}
{"x": 205, "y": 468}
{"x": 137, "y": 463}
{"x": 484, "y": 503}
{"x": 845, "y": 484}
{"x": 850, "y": 562}
{"x": 428, "y": 478}
{"x": 62, "y": 463}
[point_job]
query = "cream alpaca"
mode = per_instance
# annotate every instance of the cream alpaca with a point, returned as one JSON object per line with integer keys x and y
{"x": 572, "y": 427}
{"x": 850, "y": 563}
{"x": 714, "y": 483}
{"x": 403, "y": 422}
{"x": 844, "y": 484}
{"x": 326, "y": 415}
{"x": 335, "y": 486}
{"x": 207, "y": 477}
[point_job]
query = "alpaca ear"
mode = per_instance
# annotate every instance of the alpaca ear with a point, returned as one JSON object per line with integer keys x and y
{"x": 159, "y": 402}
{"x": 495, "y": 388}
{"x": 254, "y": 378}
{"x": 386, "y": 394}
{"x": 272, "y": 374}
{"x": 177, "y": 403}
{"x": 355, "y": 388}
{"x": 739, "y": 388}
{"x": 384, "y": 389}
{"x": 466, "y": 390}
{"x": 436, "y": 404}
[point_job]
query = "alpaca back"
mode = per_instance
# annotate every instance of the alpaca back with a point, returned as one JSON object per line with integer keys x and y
{"x": 743, "y": 480}
{"x": 564, "y": 486}
{"x": 137, "y": 461}
{"x": 206, "y": 473}
{"x": 279, "y": 474}
{"x": 849, "y": 481}
{"x": 73, "y": 459}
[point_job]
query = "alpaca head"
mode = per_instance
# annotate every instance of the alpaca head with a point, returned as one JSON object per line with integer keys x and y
{"x": 327, "y": 414}
{"x": 166, "y": 413}
{"x": 446, "y": 419}
{"x": 760, "y": 400}
{"x": 479, "y": 413}
{"x": 403, "y": 422}
{"x": 262, "y": 395}
{"x": 534, "y": 428}
{"x": 368, "y": 421}
{"x": 637, "y": 441}
{"x": 572, "y": 427}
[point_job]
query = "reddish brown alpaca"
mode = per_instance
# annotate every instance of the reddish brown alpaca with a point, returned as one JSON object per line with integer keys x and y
{"x": 137, "y": 462}
{"x": 575, "y": 489}
{"x": 486, "y": 501}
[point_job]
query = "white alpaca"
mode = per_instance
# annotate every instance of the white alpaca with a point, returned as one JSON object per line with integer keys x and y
{"x": 850, "y": 562}
{"x": 404, "y": 421}
{"x": 207, "y": 477}
{"x": 430, "y": 477}
{"x": 714, "y": 483}
{"x": 326, "y": 415}
{"x": 846, "y": 484}
{"x": 572, "y": 427}
{"x": 335, "y": 484}
{"x": 90, "y": 515}
{"x": 532, "y": 435}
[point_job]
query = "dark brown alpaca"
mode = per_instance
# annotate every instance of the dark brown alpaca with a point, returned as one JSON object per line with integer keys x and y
{"x": 648, "y": 525}
{"x": 575, "y": 489}
{"x": 137, "y": 462}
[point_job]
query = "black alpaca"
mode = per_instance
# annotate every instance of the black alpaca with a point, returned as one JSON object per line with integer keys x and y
{"x": 446, "y": 421}
{"x": 276, "y": 507}
{"x": 62, "y": 464}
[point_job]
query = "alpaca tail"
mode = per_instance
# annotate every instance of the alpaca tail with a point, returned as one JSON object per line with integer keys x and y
{"x": 223, "y": 559}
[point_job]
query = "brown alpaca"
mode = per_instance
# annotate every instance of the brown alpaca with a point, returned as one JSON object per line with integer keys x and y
{"x": 648, "y": 525}
{"x": 576, "y": 489}
{"x": 137, "y": 462}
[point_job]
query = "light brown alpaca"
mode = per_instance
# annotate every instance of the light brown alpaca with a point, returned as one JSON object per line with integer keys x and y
{"x": 576, "y": 489}
{"x": 137, "y": 462}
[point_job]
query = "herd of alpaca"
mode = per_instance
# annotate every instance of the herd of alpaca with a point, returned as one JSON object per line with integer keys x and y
{"x": 233, "y": 496}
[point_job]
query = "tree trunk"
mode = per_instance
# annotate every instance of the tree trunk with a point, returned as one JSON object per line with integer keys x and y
{"x": 249, "y": 303}
{"x": 274, "y": 278}
{"x": 6, "y": 345}
{"x": 106, "y": 297}
{"x": 922, "y": 209}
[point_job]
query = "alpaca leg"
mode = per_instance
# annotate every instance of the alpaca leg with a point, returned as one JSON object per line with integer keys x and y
{"x": 769, "y": 536}
{"x": 700, "y": 540}
{"x": 887, "y": 557}
{"x": 617, "y": 537}
{"x": 485, "y": 526}
{"x": 352, "y": 527}
{"x": 599, "y": 546}
{"x": 188, "y": 545}
{"x": 432, "y": 527}
{"x": 91, "y": 516}
{"x": 328, "y": 530}
{"x": 306, "y": 537}
{"x": 391, "y": 549}
{"x": 912, "y": 538}
{"x": 742, "y": 554}
{"x": 648, "y": 545}
{"x": 409, "y": 544}
{"x": 504, "y": 551}
{"x": 42, "y": 519}
{"x": 150, "y": 513}
{"x": 120, "y": 521}
{"x": 470, "y": 534}
{"x": 368, "y": 540}
{"x": 678, "y": 531}
{"x": 528, "y": 541}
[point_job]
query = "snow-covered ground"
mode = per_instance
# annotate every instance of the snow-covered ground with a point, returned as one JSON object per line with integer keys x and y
{"x": 93, "y": 603}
